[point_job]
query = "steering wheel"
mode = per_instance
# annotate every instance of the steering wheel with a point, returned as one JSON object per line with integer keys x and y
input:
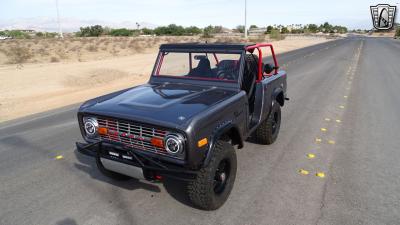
{"x": 225, "y": 75}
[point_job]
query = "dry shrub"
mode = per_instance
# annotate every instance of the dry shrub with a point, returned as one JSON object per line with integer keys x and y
{"x": 54, "y": 59}
{"x": 92, "y": 48}
{"x": 227, "y": 40}
{"x": 62, "y": 54}
{"x": 79, "y": 56}
{"x": 74, "y": 49}
{"x": 84, "y": 40}
{"x": 42, "y": 52}
{"x": 169, "y": 40}
{"x": 19, "y": 55}
{"x": 257, "y": 39}
{"x": 114, "y": 52}
{"x": 95, "y": 77}
{"x": 2, "y": 50}
{"x": 137, "y": 47}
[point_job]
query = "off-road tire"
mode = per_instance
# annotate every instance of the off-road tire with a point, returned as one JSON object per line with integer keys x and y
{"x": 268, "y": 130}
{"x": 111, "y": 174}
{"x": 201, "y": 191}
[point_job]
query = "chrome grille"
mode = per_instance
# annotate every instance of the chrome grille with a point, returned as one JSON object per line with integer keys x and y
{"x": 132, "y": 135}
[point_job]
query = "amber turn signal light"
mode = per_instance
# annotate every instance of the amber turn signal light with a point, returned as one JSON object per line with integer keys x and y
{"x": 157, "y": 142}
{"x": 202, "y": 142}
{"x": 103, "y": 131}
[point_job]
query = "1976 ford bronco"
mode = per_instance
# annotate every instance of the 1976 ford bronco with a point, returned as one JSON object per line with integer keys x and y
{"x": 200, "y": 101}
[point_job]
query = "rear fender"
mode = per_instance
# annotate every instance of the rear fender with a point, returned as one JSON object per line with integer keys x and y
{"x": 278, "y": 95}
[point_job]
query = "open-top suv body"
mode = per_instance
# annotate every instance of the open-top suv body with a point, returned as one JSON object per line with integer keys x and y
{"x": 200, "y": 101}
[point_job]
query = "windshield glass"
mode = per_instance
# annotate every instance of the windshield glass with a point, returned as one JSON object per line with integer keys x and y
{"x": 195, "y": 65}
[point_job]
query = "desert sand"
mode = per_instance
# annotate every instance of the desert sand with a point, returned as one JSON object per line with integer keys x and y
{"x": 40, "y": 86}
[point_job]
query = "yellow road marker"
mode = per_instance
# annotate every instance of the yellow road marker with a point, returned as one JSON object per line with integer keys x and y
{"x": 331, "y": 142}
{"x": 345, "y": 96}
{"x": 341, "y": 106}
{"x": 319, "y": 140}
{"x": 303, "y": 172}
{"x": 59, "y": 157}
{"x": 320, "y": 174}
{"x": 310, "y": 156}
{"x": 323, "y": 129}
{"x": 327, "y": 119}
{"x": 338, "y": 121}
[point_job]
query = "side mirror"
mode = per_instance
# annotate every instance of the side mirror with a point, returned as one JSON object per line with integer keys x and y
{"x": 268, "y": 68}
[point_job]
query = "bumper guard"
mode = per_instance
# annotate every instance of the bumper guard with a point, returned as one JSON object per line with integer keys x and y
{"x": 152, "y": 168}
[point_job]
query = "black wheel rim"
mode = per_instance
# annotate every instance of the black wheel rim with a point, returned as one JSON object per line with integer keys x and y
{"x": 221, "y": 176}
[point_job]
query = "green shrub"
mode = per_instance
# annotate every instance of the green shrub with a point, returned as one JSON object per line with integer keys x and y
{"x": 122, "y": 32}
{"x": 269, "y": 29}
{"x": 192, "y": 30}
{"x": 171, "y": 29}
{"x": 147, "y": 31}
{"x": 17, "y": 34}
{"x": 90, "y": 31}
{"x": 276, "y": 35}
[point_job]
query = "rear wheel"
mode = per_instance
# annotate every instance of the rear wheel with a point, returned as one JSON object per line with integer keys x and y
{"x": 268, "y": 130}
{"x": 214, "y": 183}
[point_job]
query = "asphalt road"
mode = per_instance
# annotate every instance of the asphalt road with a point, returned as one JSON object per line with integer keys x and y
{"x": 344, "y": 109}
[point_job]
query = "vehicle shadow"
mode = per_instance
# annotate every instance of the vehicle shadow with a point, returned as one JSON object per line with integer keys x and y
{"x": 87, "y": 164}
{"x": 67, "y": 221}
{"x": 175, "y": 188}
{"x": 251, "y": 139}
{"x": 178, "y": 190}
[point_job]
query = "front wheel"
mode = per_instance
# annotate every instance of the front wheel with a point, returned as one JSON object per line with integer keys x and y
{"x": 214, "y": 183}
{"x": 268, "y": 130}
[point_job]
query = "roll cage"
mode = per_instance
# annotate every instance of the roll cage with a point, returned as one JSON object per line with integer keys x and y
{"x": 259, "y": 47}
{"x": 214, "y": 49}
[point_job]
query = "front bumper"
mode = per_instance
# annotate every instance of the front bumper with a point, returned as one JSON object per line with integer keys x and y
{"x": 153, "y": 168}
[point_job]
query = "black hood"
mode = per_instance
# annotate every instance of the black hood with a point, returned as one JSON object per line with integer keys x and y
{"x": 171, "y": 104}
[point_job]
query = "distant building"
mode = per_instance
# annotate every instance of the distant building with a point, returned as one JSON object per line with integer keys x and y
{"x": 28, "y": 31}
{"x": 257, "y": 31}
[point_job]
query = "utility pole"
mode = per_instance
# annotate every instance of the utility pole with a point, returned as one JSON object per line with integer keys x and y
{"x": 58, "y": 21}
{"x": 245, "y": 19}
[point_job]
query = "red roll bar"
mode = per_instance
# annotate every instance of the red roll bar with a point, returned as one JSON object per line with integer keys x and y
{"x": 258, "y": 47}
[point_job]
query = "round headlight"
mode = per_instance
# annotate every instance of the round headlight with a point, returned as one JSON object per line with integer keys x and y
{"x": 91, "y": 125}
{"x": 173, "y": 144}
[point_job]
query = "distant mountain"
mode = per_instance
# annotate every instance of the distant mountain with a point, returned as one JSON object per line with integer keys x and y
{"x": 67, "y": 24}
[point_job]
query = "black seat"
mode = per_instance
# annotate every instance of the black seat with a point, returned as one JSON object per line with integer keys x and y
{"x": 203, "y": 69}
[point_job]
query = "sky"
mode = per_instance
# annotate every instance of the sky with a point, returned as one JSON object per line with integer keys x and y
{"x": 228, "y": 13}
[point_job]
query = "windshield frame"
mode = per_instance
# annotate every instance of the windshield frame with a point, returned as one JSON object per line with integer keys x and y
{"x": 212, "y": 52}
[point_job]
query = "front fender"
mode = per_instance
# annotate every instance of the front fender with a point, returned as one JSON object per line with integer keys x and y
{"x": 226, "y": 128}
